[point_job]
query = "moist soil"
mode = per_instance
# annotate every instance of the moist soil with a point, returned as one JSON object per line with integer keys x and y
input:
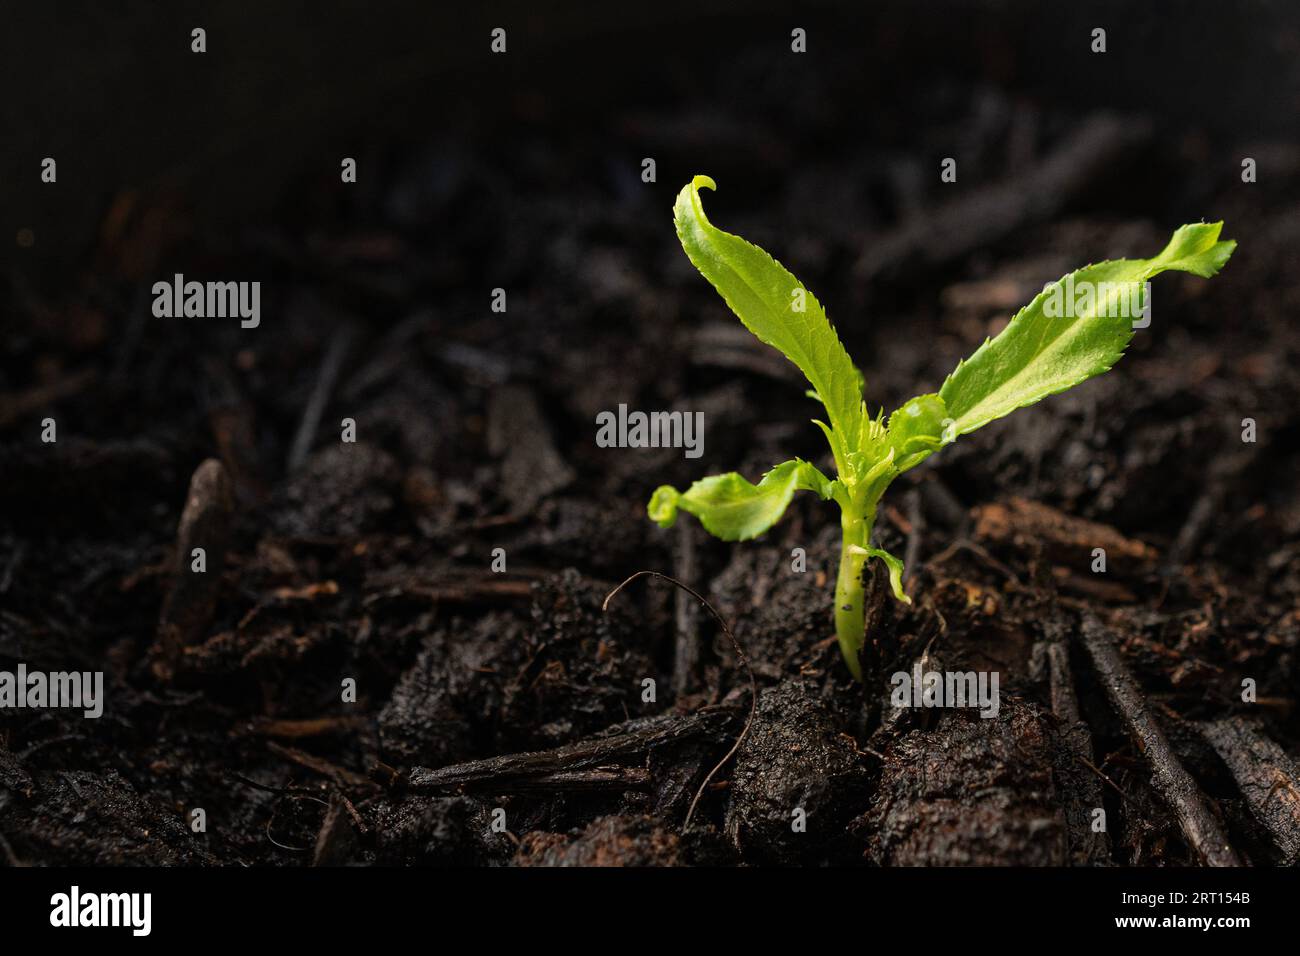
{"x": 500, "y": 716}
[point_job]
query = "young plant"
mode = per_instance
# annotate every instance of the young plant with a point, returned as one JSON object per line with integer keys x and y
{"x": 1046, "y": 348}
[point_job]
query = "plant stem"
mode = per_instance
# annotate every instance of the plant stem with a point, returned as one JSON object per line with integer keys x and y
{"x": 850, "y": 622}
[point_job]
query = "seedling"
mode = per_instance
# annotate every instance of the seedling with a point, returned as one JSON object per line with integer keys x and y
{"x": 1046, "y": 348}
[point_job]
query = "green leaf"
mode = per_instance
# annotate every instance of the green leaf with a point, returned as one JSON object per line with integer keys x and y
{"x": 916, "y": 430}
{"x": 895, "y": 568}
{"x": 760, "y": 291}
{"x": 731, "y": 508}
{"x": 1068, "y": 334}
{"x": 862, "y": 387}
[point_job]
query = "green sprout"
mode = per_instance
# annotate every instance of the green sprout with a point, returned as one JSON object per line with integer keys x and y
{"x": 1074, "y": 329}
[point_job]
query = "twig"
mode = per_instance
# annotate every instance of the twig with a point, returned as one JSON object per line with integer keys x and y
{"x": 1101, "y": 773}
{"x": 1267, "y": 777}
{"x": 963, "y": 544}
{"x": 311, "y": 416}
{"x": 308, "y": 727}
{"x": 340, "y": 775}
{"x": 1171, "y": 780}
{"x": 614, "y": 760}
{"x": 686, "y": 648}
{"x": 1081, "y": 794}
{"x": 205, "y": 523}
{"x": 352, "y": 812}
{"x": 265, "y": 788}
{"x": 740, "y": 654}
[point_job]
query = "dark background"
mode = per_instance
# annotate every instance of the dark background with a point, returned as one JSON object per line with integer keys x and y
{"x": 116, "y": 96}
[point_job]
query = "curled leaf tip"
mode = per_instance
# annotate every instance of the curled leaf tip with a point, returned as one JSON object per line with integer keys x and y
{"x": 702, "y": 181}
{"x": 662, "y": 508}
{"x": 894, "y": 565}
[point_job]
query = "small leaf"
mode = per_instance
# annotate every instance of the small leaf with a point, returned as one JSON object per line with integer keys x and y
{"x": 732, "y": 508}
{"x": 662, "y": 508}
{"x": 757, "y": 288}
{"x": 1054, "y": 343}
{"x": 895, "y": 568}
{"x": 916, "y": 430}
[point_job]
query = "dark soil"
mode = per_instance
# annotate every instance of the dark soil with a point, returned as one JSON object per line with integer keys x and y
{"x": 478, "y": 692}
